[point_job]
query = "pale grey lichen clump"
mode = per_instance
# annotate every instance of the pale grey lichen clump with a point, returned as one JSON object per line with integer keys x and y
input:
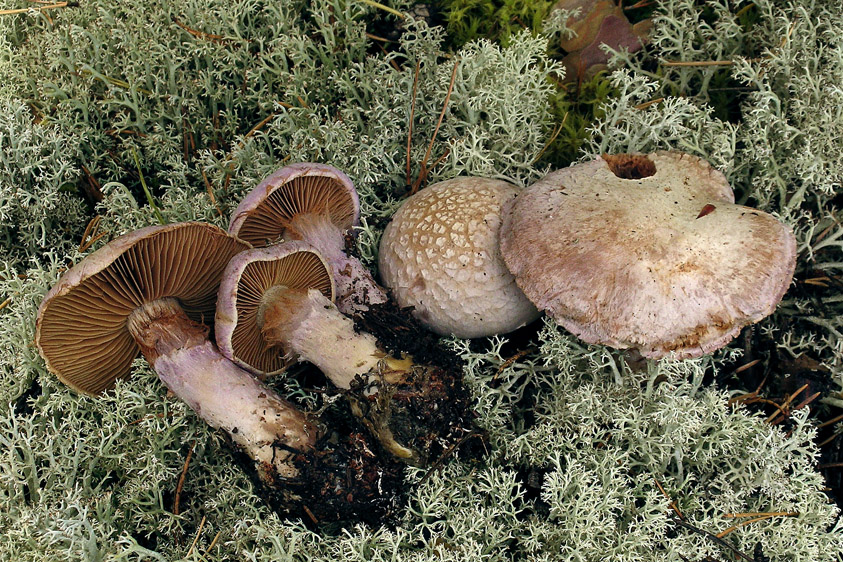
{"x": 577, "y": 440}
{"x": 37, "y": 210}
{"x": 603, "y": 435}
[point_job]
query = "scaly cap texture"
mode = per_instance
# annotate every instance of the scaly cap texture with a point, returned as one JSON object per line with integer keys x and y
{"x": 440, "y": 255}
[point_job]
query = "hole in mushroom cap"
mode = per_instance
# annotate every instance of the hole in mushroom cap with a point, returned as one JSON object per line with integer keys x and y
{"x": 630, "y": 166}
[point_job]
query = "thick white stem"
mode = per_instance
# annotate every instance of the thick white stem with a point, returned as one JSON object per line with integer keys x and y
{"x": 266, "y": 427}
{"x": 308, "y": 325}
{"x": 356, "y": 289}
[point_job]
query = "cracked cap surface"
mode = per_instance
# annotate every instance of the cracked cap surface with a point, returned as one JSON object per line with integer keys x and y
{"x": 440, "y": 255}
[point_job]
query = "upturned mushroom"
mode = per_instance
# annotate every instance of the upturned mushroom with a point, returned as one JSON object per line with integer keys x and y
{"x": 275, "y": 303}
{"x": 146, "y": 292}
{"x": 316, "y": 203}
{"x": 440, "y": 255}
{"x": 647, "y": 252}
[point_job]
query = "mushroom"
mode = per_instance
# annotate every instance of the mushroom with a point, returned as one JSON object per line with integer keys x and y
{"x": 318, "y": 204}
{"x": 647, "y": 252}
{"x": 275, "y": 302}
{"x": 440, "y": 255}
{"x": 146, "y": 292}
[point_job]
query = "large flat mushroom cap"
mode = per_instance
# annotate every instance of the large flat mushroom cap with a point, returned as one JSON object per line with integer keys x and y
{"x": 249, "y": 276}
{"x": 440, "y": 255}
{"x": 264, "y": 214}
{"x": 81, "y": 326}
{"x": 648, "y": 252}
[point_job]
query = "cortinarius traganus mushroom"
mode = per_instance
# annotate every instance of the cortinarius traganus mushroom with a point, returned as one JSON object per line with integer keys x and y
{"x": 647, "y": 252}
{"x": 440, "y": 255}
{"x": 275, "y": 302}
{"x": 146, "y": 292}
{"x": 318, "y": 204}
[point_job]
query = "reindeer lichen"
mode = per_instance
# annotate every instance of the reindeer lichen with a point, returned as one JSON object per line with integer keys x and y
{"x": 214, "y": 96}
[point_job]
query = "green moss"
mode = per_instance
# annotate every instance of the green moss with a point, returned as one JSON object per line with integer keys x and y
{"x": 575, "y": 108}
{"x": 498, "y": 20}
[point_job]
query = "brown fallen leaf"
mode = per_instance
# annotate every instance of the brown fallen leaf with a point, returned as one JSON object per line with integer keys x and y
{"x": 598, "y": 22}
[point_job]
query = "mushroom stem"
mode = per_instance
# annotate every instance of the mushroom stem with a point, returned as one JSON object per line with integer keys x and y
{"x": 298, "y": 466}
{"x": 306, "y": 323}
{"x": 356, "y": 289}
{"x": 410, "y": 408}
{"x": 264, "y": 426}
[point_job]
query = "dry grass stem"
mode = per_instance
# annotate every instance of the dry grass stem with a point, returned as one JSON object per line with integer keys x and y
{"x": 556, "y": 131}
{"x": 196, "y": 538}
{"x": 761, "y": 514}
{"x": 380, "y": 6}
{"x": 219, "y": 39}
{"x": 310, "y": 515}
{"x": 672, "y": 504}
{"x": 832, "y": 421}
{"x": 89, "y": 237}
{"x": 761, "y": 517}
{"x": 423, "y": 171}
{"x": 180, "y": 485}
{"x": 510, "y": 361}
{"x": 783, "y": 408}
{"x": 647, "y": 104}
{"x": 213, "y": 543}
{"x": 830, "y": 439}
{"x": 698, "y": 63}
{"x": 210, "y": 192}
{"x": 37, "y": 8}
{"x": 746, "y": 366}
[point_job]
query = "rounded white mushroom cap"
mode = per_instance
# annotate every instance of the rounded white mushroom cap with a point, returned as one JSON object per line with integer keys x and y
{"x": 647, "y": 252}
{"x": 440, "y": 255}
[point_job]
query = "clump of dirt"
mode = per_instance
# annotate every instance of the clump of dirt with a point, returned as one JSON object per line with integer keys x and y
{"x": 419, "y": 418}
{"x": 398, "y": 331}
{"x": 428, "y": 411}
{"x": 343, "y": 480}
{"x": 346, "y": 479}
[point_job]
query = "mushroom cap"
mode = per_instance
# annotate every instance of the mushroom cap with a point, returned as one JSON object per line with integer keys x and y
{"x": 440, "y": 255}
{"x": 647, "y": 252}
{"x": 262, "y": 216}
{"x": 248, "y": 276}
{"x": 81, "y": 326}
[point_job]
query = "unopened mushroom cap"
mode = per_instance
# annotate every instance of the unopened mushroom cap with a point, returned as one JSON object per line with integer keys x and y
{"x": 247, "y": 278}
{"x": 440, "y": 255}
{"x": 648, "y": 252}
{"x": 263, "y": 215}
{"x": 81, "y": 327}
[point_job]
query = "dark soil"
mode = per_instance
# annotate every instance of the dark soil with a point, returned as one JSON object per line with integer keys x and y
{"x": 430, "y": 410}
{"x": 344, "y": 480}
